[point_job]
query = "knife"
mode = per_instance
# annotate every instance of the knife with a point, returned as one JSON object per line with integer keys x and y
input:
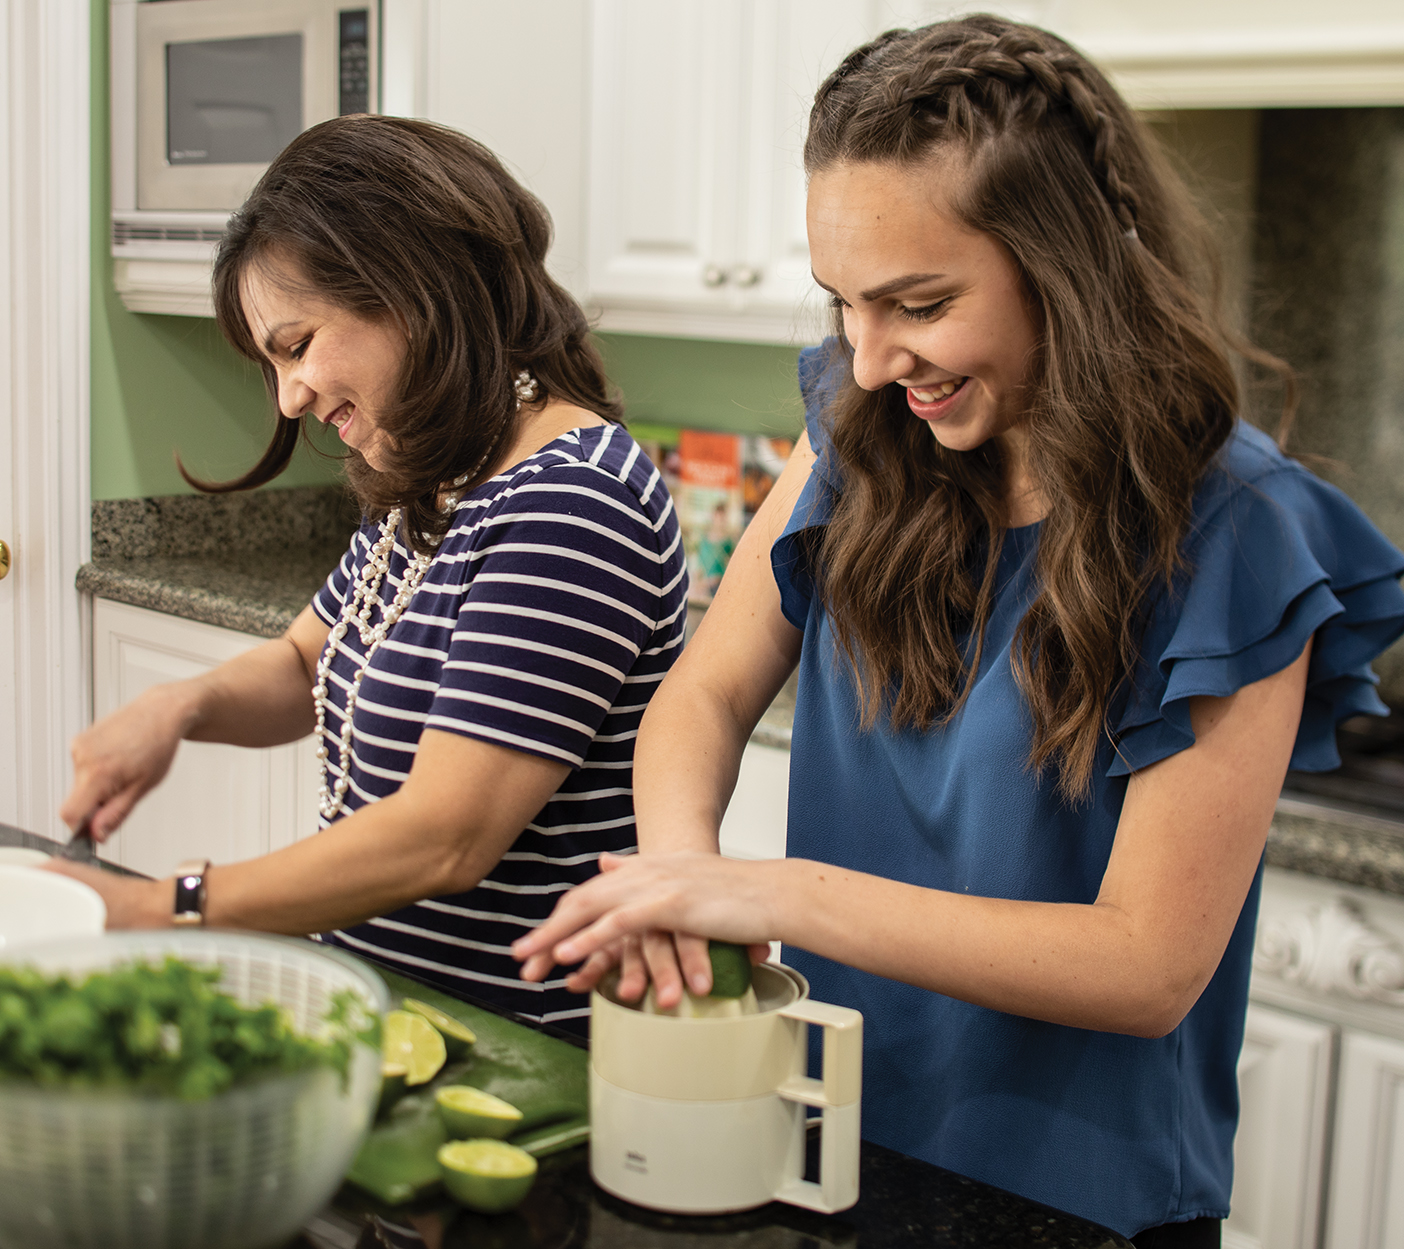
{"x": 80, "y": 848}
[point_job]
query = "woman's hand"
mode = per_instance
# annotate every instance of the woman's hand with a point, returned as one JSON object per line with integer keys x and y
{"x": 131, "y": 901}
{"x": 122, "y": 757}
{"x": 664, "y": 959}
{"x": 657, "y": 894}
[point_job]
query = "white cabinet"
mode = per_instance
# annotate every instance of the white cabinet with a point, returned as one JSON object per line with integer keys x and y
{"x": 1284, "y": 1083}
{"x": 1367, "y": 1176}
{"x": 218, "y": 802}
{"x": 696, "y": 188}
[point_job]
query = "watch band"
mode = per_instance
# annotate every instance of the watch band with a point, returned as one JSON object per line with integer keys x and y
{"x": 190, "y": 892}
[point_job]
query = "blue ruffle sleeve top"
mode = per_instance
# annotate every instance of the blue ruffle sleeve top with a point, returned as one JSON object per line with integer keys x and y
{"x": 1128, "y": 1132}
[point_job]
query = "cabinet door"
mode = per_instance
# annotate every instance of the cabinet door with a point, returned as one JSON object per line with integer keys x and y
{"x": 795, "y": 45}
{"x": 1284, "y": 1078}
{"x": 1366, "y": 1205}
{"x": 219, "y": 802}
{"x": 665, "y": 169}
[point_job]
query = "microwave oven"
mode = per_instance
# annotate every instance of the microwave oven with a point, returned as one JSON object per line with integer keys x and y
{"x": 205, "y": 93}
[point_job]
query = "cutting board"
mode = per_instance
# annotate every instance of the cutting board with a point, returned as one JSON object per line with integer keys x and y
{"x": 544, "y": 1077}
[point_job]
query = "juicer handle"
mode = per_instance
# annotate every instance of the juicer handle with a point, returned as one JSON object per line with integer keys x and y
{"x": 840, "y": 1096}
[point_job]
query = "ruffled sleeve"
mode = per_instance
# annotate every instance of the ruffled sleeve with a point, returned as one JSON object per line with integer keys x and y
{"x": 820, "y": 371}
{"x": 1276, "y": 556}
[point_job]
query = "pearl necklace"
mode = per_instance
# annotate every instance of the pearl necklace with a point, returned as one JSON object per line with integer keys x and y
{"x": 360, "y": 604}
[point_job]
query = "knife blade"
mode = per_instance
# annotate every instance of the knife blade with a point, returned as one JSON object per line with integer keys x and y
{"x": 80, "y": 848}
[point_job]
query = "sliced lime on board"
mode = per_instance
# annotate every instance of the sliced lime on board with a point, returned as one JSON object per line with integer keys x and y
{"x": 411, "y": 1041}
{"x": 458, "y": 1037}
{"x": 487, "y": 1176}
{"x": 468, "y": 1113}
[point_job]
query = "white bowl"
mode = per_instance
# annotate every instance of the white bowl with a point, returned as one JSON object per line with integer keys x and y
{"x": 44, "y": 906}
{"x": 22, "y": 856}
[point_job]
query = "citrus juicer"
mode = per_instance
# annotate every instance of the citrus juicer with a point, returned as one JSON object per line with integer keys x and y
{"x": 707, "y": 1115}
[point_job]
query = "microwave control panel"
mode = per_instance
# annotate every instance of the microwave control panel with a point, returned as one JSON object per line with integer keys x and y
{"x": 354, "y": 86}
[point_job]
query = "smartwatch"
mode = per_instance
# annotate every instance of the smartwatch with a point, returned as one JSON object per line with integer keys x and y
{"x": 190, "y": 892}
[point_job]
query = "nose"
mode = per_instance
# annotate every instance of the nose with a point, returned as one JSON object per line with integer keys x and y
{"x": 295, "y": 396}
{"x": 879, "y": 355}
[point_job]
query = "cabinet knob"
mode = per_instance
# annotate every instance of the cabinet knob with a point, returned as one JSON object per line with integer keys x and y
{"x": 4, "y": 561}
{"x": 745, "y": 275}
{"x": 714, "y": 275}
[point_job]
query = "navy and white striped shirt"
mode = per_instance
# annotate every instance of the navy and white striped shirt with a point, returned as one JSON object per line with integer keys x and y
{"x": 553, "y": 608}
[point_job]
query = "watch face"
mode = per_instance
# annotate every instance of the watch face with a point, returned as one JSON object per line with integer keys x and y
{"x": 190, "y": 893}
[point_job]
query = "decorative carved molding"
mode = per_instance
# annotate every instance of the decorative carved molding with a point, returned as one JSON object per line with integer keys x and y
{"x": 1333, "y": 949}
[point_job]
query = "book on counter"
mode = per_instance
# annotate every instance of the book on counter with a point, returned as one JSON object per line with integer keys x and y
{"x": 718, "y": 482}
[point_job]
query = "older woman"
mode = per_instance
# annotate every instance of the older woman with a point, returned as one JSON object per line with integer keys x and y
{"x": 477, "y": 666}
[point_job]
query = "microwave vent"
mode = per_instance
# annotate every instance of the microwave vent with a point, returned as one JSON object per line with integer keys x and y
{"x": 127, "y": 232}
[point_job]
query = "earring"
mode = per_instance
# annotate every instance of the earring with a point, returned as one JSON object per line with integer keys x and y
{"x": 525, "y": 386}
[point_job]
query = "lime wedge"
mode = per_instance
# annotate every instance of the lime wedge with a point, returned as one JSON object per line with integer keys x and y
{"x": 731, "y": 969}
{"x": 457, "y": 1036}
{"x": 468, "y": 1112}
{"x": 487, "y": 1176}
{"x": 411, "y": 1041}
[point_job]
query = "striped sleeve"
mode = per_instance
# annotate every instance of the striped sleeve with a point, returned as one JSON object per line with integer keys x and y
{"x": 562, "y": 595}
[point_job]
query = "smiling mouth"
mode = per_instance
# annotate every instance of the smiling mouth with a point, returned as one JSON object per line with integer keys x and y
{"x": 341, "y": 417}
{"x": 933, "y": 402}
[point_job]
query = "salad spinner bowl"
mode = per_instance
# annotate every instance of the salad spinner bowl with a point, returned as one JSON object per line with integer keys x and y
{"x": 242, "y": 1169}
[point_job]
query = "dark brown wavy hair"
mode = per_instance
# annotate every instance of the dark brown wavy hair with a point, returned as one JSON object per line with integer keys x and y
{"x": 1131, "y": 393}
{"x": 416, "y": 224}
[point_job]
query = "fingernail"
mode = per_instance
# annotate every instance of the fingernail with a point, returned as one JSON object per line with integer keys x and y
{"x": 566, "y": 952}
{"x": 700, "y": 984}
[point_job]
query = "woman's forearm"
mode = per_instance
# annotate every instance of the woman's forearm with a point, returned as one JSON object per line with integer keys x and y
{"x": 459, "y": 811}
{"x": 686, "y": 761}
{"x": 260, "y": 698}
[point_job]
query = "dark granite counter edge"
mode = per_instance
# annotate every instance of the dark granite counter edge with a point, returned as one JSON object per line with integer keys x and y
{"x": 1337, "y": 843}
{"x": 206, "y": 606}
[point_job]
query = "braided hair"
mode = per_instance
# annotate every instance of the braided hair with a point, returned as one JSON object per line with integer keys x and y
{"x": 1131, "y": 389}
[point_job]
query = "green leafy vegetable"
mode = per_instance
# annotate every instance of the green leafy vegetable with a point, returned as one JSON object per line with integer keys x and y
{"x": 161, "y": 1029}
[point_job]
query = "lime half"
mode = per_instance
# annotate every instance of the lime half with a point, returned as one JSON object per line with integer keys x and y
{"x": 458, "y": 1037}
{"x": 468, "y": 1112}
{"x": 487, "y": 1176}
{"x": 731, "y": 969}
{"x": 412, "y": 1042}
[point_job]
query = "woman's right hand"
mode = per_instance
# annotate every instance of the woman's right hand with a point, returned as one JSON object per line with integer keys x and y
{"x": 122, "y": 757}
{"x": 669, "y": 961}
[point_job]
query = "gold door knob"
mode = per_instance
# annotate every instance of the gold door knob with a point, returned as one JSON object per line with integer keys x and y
{"x": 4, "y": 561}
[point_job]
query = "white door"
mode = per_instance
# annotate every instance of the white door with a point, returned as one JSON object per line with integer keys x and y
{"x": 1284, "y": 1079}
{"x": 1366, "y": 1204}
{"x": 44, "y": 504}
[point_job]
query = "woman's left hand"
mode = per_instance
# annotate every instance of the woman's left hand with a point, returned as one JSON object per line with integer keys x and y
{"x": 132, "y": 902}
{"x": 701, "y": 894}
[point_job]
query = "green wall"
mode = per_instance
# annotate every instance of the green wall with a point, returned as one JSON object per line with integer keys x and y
{"x": 162, "y": 385}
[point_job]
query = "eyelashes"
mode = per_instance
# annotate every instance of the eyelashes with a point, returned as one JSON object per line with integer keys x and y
{"x": 924, "y": 313}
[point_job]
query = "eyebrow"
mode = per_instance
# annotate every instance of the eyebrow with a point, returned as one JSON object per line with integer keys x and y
{"x": 270, "y": 345}
{"x": 887, "y": 288}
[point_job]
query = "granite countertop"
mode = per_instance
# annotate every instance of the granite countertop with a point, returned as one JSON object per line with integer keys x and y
{"x": 249, "y": 562}
{"x": 252, "y": 562}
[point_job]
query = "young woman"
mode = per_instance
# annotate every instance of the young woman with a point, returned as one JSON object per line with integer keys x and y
{"x": 1061, "y": 622}
{"x": 477, "y": 666}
